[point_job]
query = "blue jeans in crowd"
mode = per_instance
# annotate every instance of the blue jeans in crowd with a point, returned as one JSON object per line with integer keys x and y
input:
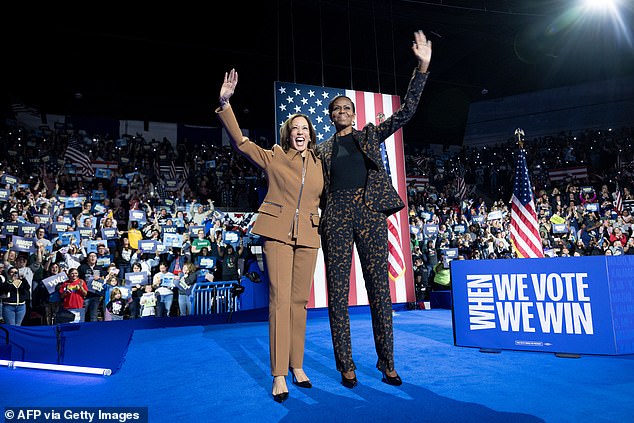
{"x": 13, "y": 314}
{"x": 91, "y": 305}
{"x": 164, "y": 305}
{"x": 184, "y": 304}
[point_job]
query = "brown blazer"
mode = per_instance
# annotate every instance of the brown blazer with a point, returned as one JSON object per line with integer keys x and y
{"x": 277, "y": 213}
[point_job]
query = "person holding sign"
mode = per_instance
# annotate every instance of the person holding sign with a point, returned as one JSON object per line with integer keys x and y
{"x": 288, "y": 221}
{"x": 15, "y": 292}
{"x": 73, "y": 291}
{"x": 91, "y": 273}
{"x": 163, "y": 283}
{"x": 185, "y": 284}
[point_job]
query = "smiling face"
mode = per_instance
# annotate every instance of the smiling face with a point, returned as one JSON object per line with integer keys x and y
{"x": 300, "y": 133}
{"x": 342, "y": 112}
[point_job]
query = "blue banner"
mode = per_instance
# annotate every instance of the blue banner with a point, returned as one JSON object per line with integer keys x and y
{"x": 566, "y": 305}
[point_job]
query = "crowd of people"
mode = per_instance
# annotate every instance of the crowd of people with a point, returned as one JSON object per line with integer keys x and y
{"x": 588, "y": 212}
{"x": 36, "y": 194}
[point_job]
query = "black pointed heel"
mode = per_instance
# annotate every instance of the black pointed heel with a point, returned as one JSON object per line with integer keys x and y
{"x": 302, "y": 384}
{"x": 281, "y": 397}
{"x": 349, "y": 383}
{"x": 392, "y": 380}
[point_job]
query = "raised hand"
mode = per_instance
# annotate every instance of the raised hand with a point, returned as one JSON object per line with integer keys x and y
{"x": 422, "y": 50}
{"x": 228, "y": 86}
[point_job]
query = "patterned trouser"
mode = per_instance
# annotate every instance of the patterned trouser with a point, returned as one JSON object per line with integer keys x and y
{"x": 349, "y": 221}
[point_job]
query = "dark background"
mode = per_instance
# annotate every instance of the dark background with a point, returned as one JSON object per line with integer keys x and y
{"x": 166, "y": 63}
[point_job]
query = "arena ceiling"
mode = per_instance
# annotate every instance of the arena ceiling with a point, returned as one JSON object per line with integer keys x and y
{"x": 166, "y": 64}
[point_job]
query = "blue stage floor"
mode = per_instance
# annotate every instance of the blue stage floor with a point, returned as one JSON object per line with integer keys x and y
{"x": 220, "y": 373}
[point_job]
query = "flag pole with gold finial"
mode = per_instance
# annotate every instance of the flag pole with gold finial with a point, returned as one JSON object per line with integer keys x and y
{"x": 519, "y": 133}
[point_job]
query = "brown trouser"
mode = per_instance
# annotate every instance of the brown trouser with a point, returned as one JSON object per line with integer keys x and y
{"x": 290, "y": 269}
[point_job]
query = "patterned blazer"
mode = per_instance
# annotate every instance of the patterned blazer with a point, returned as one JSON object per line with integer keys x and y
{"x": 380, "y": 195}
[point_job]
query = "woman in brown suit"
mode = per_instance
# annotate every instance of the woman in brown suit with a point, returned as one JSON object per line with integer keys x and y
{"x": 288, "y": 220}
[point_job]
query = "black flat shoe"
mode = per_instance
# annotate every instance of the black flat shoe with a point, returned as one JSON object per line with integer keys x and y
{"x": 349, "y": 383}
{"x": 392, "y": 380}
{"x": 303, "y": 384}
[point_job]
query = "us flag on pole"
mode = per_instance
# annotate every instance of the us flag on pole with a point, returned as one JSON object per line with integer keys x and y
{"x": 75, "y": 155}
{"x": 524, "y": 225}
{"x": 313, "y": 101}
{"x": 618, "y": 200}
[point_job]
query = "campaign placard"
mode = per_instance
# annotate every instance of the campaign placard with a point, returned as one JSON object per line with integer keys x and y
{"x": 231, "y": 237}
{"x": 59, "y": 227}
{"x": 450, "y": 253}
{"x": 99, "y": 208}
{"x": 169, "y": 229}
{"x": 86, "y": 233}
{"x": 173, "y": 240}
{"x": 167, "y": 280}
{"x": 4, "y": 194}
{"x": 103, "y": 173}
{"x": 99, "y": 194}
{"x": 26, "y": 245}
{"x": 52, "y": 281}
{"x": 206, "y": 262}
{"x": 73, "y": 202}
{"x": 9, "y": 179}
{"x": 477, "y": 219}
{"x": 147, "y": 245}
{"x": 459, "y": 229}
{"x": 27, "y": 230}
{"x": 193, "y": 231}
{"x": 109, "y": 233}
{"x": 10, "y": 228}
{"x": 70, "y": 237}
{"x": 138, "y": 216}
{"x": 136, "y": 278}
{"x": 95, "y": 284}
{"x": 42, "y": 219}
{"x": 430, "y": 230}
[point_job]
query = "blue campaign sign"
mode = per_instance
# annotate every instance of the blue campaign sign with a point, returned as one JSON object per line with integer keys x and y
{"x": 579, "y": 305}
{"x": 206, "y": 262}
{"x": 147, "y": 246}
{"x": 137, "y": 215}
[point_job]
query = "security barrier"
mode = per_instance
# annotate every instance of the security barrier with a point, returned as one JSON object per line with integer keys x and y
{"x": 215, "y": 297}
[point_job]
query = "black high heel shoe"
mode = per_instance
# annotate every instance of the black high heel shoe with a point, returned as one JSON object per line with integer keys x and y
{"x": 349, "y": 383}
{"x": 302, "y": 384}
{"x": 281, "y": 397}
{"x": 392, "y": 380}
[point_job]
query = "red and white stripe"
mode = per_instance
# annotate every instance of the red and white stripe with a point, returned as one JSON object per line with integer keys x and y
{"x": 524, "y": 229}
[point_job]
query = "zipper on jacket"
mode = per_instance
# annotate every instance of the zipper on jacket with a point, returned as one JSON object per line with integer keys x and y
{"x": 299, "y": 200}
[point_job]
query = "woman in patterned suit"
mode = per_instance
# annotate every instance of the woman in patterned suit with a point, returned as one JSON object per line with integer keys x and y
{"x": 288, "y": 220}
{"x": 358, "y": 197}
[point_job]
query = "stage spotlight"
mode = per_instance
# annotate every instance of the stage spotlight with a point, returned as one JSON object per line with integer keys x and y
{"x": 600, "y": 5}
{"x": 56, "y": 367}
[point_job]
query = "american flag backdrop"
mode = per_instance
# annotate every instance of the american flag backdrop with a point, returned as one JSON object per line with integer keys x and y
{"x": 313, "y": 101}
{"x": 524, "y": 225}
